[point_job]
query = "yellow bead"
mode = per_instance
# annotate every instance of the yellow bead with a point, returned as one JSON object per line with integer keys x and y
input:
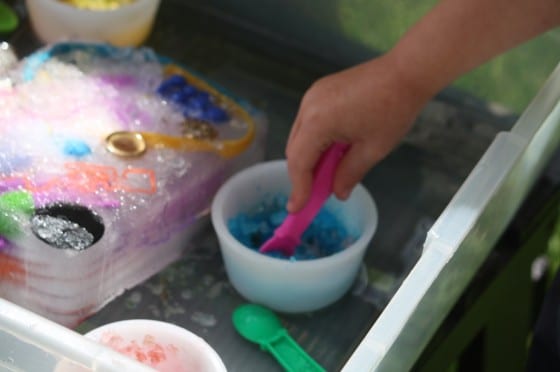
{"x": 98, "y": 4}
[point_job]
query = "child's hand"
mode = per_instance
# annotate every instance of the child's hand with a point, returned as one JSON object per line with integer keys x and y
{"x": 370, "y": 106}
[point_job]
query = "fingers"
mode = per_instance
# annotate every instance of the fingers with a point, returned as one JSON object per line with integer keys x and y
{"x": 301, "y": 189}
{"x": 293, "y": 133}
{"x": 352, "y": 168}
{"x": 300, "y": 170}
{"x": 303, "y": 152}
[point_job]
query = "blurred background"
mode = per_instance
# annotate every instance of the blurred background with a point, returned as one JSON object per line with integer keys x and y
{"x": 344, "y": 32}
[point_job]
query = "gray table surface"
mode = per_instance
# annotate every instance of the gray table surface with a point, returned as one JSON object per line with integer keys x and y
{"x": 411, "y": 187}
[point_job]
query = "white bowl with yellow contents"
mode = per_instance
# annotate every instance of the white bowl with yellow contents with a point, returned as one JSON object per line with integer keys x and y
{"x": 119, "y": 22}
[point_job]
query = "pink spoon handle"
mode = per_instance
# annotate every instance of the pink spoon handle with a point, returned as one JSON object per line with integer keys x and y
{"x": 295, "y": 223}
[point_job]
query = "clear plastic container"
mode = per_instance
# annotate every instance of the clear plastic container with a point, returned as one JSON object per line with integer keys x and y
{"x": 32, "y": 343}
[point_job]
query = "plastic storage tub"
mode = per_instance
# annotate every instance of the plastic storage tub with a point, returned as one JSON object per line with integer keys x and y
{"x": 463, "y": 235}
{"x": 457, "y": 244}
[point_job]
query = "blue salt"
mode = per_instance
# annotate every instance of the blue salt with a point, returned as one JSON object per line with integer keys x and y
{"x": 277, "y": 218}
{"x": 324, "y": 237}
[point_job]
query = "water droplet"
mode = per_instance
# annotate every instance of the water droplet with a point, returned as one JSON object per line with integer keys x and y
{"x": 170, "y": 310}
{"x": 156, "y": 289}
{"x": 133, "y": 300}
{"x": 215, "y": 290}
{"x": 205, "y": 320}
{"x": 186, "y": 294}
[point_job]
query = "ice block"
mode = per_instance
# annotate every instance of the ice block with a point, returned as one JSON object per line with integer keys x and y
{"x": 109, "y": 160}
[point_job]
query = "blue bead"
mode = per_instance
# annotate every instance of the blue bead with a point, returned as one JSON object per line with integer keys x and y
{"x": 216, "y": 114}
{"x": 174, "y": 81}
{"x": 200, "y": 101}
{"x": 162, "y": 90}
{"x": 193, "y": 113}
{"x": 189, "y": 90}
{"x": 76, "y": 148}
{"x": 183, "y": 96}
{"x": 171, "y": 84}
{"x": 176, "y": 97}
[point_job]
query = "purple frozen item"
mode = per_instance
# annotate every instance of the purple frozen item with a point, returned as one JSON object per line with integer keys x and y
{"x": 288, "y": 235}
{"x": 107, "y": 216}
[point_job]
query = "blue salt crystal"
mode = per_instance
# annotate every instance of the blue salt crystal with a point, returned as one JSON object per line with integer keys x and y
{"x": 277, "y": 218}
{"x": 280, "y": 200}
{"x": 248, "y": 227}
{"x": 265, "y": 228}
{"x": 325, "y": 236}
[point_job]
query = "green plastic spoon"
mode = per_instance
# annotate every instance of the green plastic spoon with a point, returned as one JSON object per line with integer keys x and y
{"x": 261, "y": 326}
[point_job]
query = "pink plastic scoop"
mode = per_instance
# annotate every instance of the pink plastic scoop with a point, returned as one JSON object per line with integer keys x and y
{"x": 288, "y": 235}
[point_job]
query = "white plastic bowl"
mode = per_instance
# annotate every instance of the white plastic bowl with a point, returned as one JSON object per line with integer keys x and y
{"x": 282, "y": 285}
{"x": 184, "y": 351}
{"x": 127, "y": 25}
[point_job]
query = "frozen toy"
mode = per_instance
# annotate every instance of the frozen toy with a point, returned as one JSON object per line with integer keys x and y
{"x": 109, "y": 160}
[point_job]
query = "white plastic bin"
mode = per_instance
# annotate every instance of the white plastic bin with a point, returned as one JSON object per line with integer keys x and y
{"x": 463, "y": 235}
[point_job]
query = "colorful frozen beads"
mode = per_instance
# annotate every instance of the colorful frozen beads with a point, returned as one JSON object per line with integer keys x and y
{"x": 193, "y": 102}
